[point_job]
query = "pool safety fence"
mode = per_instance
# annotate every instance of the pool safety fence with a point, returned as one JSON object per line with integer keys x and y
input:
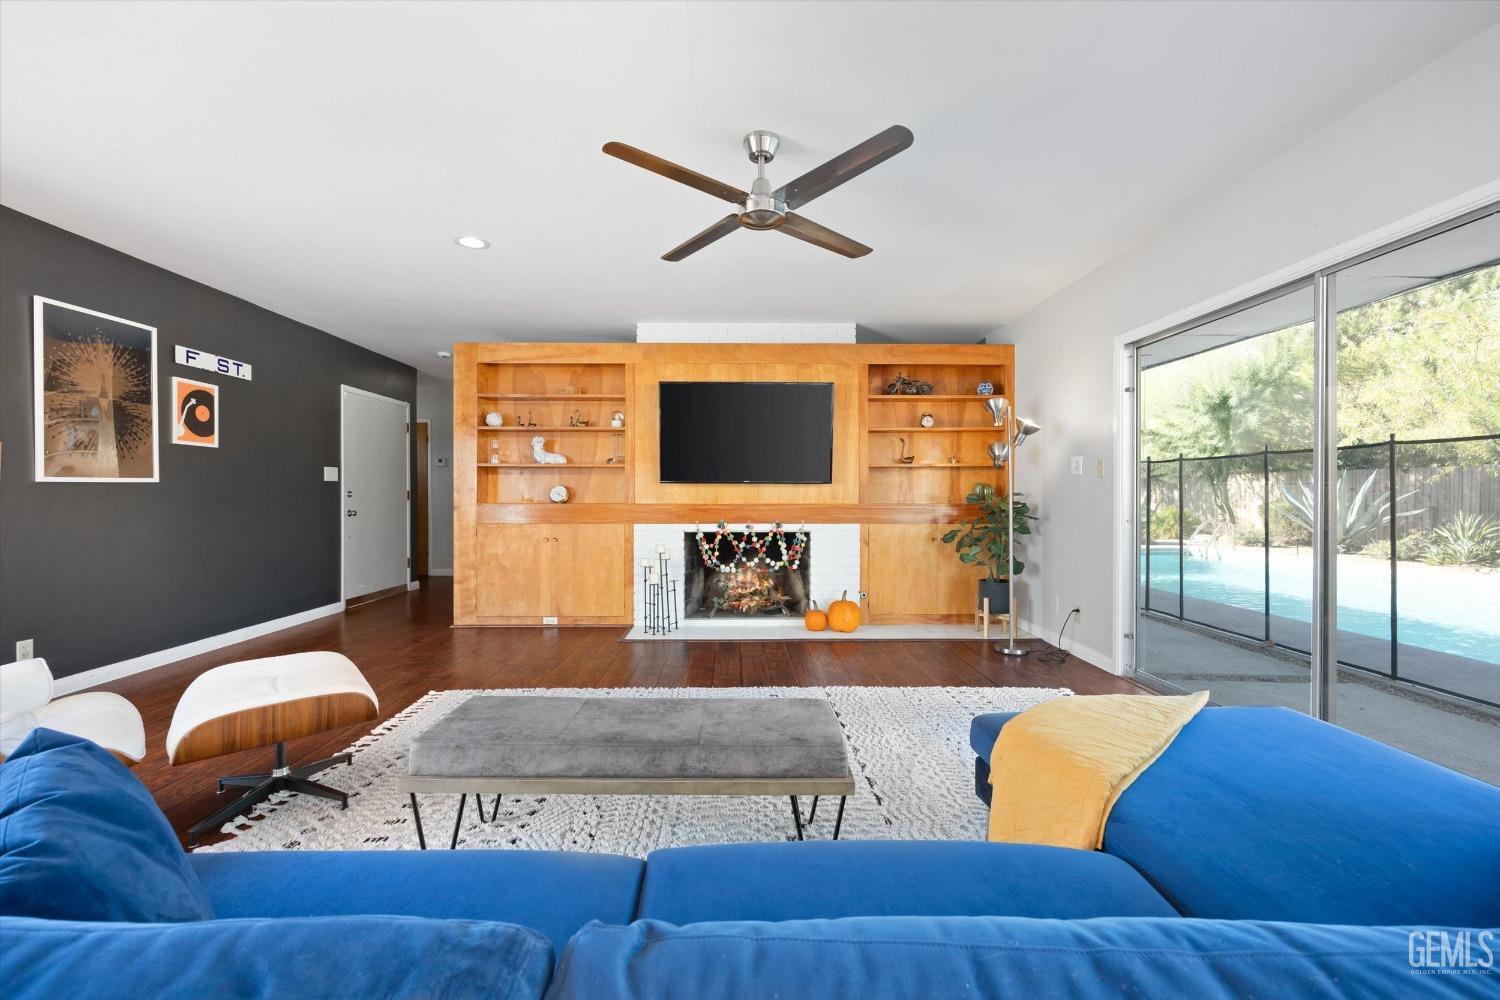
{"x": 1387, "y": 491}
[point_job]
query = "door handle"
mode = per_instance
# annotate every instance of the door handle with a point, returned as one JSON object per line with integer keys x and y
{"x": 351, "y": 513}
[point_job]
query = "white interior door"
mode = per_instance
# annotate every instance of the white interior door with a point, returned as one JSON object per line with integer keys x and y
{"x": 375, "y": 481}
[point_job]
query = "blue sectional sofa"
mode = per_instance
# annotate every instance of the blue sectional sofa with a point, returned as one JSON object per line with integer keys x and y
{"x": 1263, "y": 854}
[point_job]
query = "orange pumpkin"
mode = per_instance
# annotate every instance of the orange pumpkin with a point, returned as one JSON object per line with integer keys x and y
{"x": 816, "y": 619}
{"x": 843, "y": 614}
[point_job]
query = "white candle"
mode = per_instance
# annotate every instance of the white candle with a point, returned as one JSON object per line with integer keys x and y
{"x": 656, "y": 576}
{"x": 661, "y": 550}
{"x": 645, "y": 564}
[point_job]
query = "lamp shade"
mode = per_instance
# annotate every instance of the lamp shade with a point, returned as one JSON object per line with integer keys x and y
{"x": 997, "y": 406}
{"x": 1024, "y": 429}
{"x": 999, "y": 453}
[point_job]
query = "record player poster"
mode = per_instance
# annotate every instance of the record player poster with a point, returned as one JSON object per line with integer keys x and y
{"x": 95, "y": 396}
{"x": 195, "y": 413}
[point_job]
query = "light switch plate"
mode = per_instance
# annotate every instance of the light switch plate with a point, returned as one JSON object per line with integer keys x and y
{"x": 330, "y": 473}
{"x": 1099, "y": 469}
{"x": 25, "y": 649}
{"x": 1077, "y": 468}
{"x": 442, "y": 461}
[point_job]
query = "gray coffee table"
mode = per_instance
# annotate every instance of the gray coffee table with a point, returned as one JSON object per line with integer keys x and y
{"x": 503, "y": 744}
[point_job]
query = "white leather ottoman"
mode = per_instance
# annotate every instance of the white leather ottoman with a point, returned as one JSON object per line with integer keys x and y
{"x": 257, "y": 703}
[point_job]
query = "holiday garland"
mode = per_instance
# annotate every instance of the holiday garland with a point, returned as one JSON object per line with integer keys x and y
{"x": 757, "y": 545}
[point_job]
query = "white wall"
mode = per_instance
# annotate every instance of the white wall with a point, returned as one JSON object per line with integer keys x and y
{"x": 1430, "y": 141}
{"x": 435, "y": 403}
{"x": 744, "y": 333}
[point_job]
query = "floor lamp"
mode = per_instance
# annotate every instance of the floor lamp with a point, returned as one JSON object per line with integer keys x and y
{"x": 1017, "y": 431}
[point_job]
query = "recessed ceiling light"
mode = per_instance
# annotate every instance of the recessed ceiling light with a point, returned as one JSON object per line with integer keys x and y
{"x": 472, "y": 242}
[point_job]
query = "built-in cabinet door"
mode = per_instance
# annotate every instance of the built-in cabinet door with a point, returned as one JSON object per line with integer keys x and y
{"x": 510, "y": 570}
{"x": 910, "y": 575}
{"x": 587, "y": 575}
{"x": 566, "y": 571}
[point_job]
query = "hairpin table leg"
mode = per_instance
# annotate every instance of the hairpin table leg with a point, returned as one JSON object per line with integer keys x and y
{"x": 416, "y": 814}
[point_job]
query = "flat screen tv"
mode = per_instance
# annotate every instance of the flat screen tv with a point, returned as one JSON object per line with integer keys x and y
{"x": 747, "y": 432}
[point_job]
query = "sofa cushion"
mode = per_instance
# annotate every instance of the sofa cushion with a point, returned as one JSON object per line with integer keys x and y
{"x": 553, "y": 892}
{"x": 897, "y": 957}
{"x": 82, "y": 839}
{"x": 323, "y": 957}
{"x": 1266, "y": 814}
{"x": 796, "y": 881}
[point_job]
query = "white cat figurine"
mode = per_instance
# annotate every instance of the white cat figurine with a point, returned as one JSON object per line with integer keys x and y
{"x": 543, "y": 456}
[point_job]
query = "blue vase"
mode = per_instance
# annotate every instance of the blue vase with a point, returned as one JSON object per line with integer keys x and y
{"x": 986, "y": 388}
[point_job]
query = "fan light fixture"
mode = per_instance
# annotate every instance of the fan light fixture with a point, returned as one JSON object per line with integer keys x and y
{"x": 764, "y": 207}
{"x": 472, "y": 243}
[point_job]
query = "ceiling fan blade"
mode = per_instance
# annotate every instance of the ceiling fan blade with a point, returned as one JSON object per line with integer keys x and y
{"x": 717, "y": 231}
{"x": 821, "y": 236}
{"x": 672, "y": 171}
{"x": 846, "y": 166}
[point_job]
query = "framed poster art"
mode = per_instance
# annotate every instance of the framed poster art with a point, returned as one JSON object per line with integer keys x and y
{"x": 195, "y": 412}
{"x": 94, "y": 397}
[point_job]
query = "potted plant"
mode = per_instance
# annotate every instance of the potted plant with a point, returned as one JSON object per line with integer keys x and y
{"x": 985, "y": 542}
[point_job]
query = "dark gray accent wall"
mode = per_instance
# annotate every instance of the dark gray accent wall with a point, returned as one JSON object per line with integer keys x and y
{"x": 234, "y": 536}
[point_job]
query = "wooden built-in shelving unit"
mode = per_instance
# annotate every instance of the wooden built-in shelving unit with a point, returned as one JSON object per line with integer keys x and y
{"x": 521, "y": 559}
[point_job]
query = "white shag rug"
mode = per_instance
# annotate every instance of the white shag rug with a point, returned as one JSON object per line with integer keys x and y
{"x": 908, "y": 747}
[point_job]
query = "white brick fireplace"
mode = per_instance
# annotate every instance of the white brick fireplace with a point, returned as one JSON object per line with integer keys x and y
{"x": 834, "y": 568}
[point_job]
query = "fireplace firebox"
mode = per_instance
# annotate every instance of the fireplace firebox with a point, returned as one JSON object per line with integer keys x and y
{"x": 744, "y": 590}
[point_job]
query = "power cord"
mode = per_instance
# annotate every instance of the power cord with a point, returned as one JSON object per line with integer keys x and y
{"x": 1056, "y": 654}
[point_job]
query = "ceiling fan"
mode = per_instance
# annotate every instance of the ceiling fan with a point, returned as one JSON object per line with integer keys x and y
{"x": 763, "y": 208}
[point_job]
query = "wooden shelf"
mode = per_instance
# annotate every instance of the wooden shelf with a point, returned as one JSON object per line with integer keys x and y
{"x": 935, "y": 399}
{"x": 561, "y": 397}
{"x": 936, "y": 430}
{"x": 557, "y": 430}
{"x": 936, "y": 465}
{"x": 564, "y": 467}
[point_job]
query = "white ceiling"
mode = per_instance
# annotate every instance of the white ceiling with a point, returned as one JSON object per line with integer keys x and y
{"x": 319, "y": 158}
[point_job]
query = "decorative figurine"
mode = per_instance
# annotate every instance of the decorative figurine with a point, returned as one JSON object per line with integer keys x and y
{"x": 576, "y": 420}
{"x": 904, "y": 458}
{"x": 903, "y": 386}
{"x": 493, "y": 419}
{"x": 558, "y": 494}
{"x": 542, "y": 455}
{"x": 986, "y": 389}
{"x": 617, "y": 419}
{"x": 927, "y": 420}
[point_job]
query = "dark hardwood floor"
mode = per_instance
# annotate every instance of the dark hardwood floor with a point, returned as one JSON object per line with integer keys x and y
{"x": 406, "y": 646}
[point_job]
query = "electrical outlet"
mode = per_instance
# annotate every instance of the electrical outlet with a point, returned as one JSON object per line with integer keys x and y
{"x": 1077, "y": 466}
{"x": 1099, "y": 469}
{"x": 330, "y": 473}
{"x": 25, "y": 649}
{"x": 549, "y": 619}
{"x": 1078, "y": 615}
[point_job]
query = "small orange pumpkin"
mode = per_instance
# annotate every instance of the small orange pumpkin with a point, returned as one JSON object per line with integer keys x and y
{"x": 843, "y": 614}
{"x": 816, "y": 619}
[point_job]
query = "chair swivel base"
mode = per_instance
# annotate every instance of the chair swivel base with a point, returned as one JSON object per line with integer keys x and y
{"x": 262, "y": 786}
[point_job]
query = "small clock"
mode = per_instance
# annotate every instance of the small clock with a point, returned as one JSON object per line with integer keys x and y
{"x": 927, "y": 420}
{"x": 558, "y": 494}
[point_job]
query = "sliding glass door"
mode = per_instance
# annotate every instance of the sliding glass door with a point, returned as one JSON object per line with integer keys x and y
{"x": 1418, "y": 565}
{"x": 1318, "y": 498}
{"x": 1226, "y": 423}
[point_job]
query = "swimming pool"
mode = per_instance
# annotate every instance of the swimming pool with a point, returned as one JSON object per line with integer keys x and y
{"x": 1451, "y": 609}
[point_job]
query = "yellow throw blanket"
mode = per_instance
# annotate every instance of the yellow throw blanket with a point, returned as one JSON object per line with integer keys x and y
{"x": 1058, "y": 769}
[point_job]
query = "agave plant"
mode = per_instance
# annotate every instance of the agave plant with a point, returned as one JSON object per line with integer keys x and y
{"x": 1362, "y": 518}
{"x": 1468, "y": 539}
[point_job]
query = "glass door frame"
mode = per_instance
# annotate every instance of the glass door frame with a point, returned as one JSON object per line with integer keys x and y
{"x": 1322, "y": 280}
